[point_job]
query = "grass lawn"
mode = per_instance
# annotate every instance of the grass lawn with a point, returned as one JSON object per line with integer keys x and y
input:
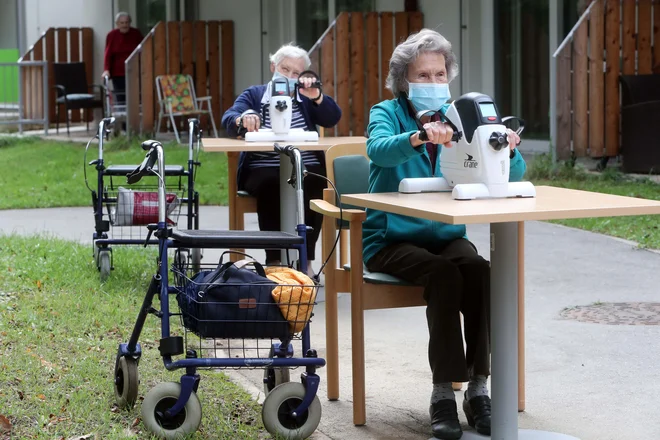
{"x": 643, "y": 229}
{"x": 43, "y": 174}
{"x": 59, "y": 331}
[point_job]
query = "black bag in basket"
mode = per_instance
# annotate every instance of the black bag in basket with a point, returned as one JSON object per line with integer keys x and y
{"x": 232, "y": 302}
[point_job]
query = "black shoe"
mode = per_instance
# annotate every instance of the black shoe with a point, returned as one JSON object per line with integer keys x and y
{"x": 477, "y": 411}
{"x": 444, "y": 420}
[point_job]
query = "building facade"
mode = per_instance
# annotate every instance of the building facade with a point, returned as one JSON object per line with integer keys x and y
{"x": 503, "y": 46}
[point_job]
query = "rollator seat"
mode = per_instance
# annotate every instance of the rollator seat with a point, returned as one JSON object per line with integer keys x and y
{"x": 123, "y": 170}
{"x": 235, "y": 239}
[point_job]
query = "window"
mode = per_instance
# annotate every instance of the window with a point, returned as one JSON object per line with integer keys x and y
{"x": 313, "y": 17}
{"x": 522, "y": 74}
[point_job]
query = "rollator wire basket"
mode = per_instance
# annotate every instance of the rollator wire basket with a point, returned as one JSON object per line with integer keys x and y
{"x": 244, "y": 300}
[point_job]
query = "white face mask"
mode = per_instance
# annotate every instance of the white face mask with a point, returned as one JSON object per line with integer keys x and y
{"x": 292, "y": 81}
{"x": 428, "y": 96}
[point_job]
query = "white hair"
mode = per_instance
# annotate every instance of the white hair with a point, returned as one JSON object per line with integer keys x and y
{"x": 404, "y": 54}
{"x": 290, "y": 51}
{"x": 123, "y": 14}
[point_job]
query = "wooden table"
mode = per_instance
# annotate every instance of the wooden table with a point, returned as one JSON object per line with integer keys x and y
{"x": 233, "y": 148}
{"x": 503, "y": 214}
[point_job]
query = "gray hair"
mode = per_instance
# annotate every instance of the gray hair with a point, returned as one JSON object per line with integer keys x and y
{"x": 123, "y": 14}
{"x": 404, "y": 54}
{"x": 290, "y": 51}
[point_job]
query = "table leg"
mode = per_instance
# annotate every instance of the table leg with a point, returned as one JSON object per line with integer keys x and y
{"x": 504, "y": 327}
{"x": 504, "y": 338}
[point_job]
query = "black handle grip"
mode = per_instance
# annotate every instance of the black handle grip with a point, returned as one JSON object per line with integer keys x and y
{"x": 148, "y": 145}
{"x": 288, "y": 150}
{"x": 423, "y": 136}
{"x": 521, "y": 123}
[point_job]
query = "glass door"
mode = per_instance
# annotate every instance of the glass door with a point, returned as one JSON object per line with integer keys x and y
{"x": 313, "y": 17}
{"x": 146, "y": 13}
{"x": 522, "y": 82}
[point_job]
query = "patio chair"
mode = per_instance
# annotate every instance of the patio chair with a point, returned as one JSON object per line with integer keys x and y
{"x": 73, "y": 92}
{"x": 347, "y": 167}
{"x": 176, "y": 97}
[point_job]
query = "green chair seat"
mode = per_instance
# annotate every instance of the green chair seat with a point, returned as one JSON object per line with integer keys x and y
{"x": 380, "y": 278}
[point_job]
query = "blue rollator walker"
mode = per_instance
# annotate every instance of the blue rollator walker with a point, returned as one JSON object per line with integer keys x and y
{"x": 128, "y": 209}
{"x": 291, "y": 410}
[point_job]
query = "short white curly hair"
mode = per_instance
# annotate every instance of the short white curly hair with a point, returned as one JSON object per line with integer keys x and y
{"x": 404, "y": 54}
{"x": 290, "y": 50}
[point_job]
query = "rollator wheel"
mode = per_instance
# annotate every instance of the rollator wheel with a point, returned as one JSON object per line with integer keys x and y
{"x": 274, "y": 376}
{"x": 276, "y": 412}
{"x": 104, "y": 264}
{"x": 162, "y": 397}
{"x": 196, "y": 260}
{"x": 126, "y": 382}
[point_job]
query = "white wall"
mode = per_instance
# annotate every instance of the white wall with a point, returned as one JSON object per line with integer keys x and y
{"x": 97, "y": 14}
{"x": 247, "y": 37}
{"x": 389, "y": 5}
{"x": 445, "y": 17}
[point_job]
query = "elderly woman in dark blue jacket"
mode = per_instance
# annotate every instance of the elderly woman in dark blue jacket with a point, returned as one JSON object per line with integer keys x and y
{"x": 258, "y": 174}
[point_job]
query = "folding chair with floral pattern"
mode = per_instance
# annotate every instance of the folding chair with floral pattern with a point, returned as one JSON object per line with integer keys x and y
{"x": 176, "y": 97}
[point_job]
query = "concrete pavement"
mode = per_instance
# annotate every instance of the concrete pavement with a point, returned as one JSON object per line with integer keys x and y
{"x": 594, "y": 381}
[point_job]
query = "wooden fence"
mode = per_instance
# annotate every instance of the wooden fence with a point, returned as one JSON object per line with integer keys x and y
{"x": 56, "y": 45}
{"x": 352, "y": 58}
{"x": 613, "y": 37}
{"x": 202, "y": 49}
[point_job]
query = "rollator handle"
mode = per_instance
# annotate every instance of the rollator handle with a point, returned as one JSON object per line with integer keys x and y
{"x": 148, "y": 145}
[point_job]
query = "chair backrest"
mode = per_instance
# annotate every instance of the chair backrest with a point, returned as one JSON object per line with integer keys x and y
{"x": 178, "y": 90}
{"x": 347, "y": 166}
{"x": 636, "y": 89}
{"x": 72, "y": 76}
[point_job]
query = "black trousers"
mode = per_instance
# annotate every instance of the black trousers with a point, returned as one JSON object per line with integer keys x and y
{"x": 119, "y": 89}
{"x": 455, "y": 279}
{"x": 264, "y": 184}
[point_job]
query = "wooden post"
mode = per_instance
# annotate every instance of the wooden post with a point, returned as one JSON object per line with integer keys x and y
{"x": 147, "y": 84}
{"x": 564, "y": 99}
{"x": 357, "y": 74}
{"x": 328, "y": 70}
{"x": 343, "y": 72}
{"x": 644, "y": 24}
{"x": 580, "y": 91}
{"x": 227, "y": 30}
{"x": 214, "y": 69}
{"x": 386, "y": 49}
{"x": 596, "y": 81}
{"x": 612, "y": 46}
{"x": 375, "y": 80}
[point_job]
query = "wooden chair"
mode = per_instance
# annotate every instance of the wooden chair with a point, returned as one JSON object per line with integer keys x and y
{"x": 347, "y": 166}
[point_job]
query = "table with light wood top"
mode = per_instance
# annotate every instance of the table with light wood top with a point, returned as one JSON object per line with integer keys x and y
{"x": 233, "y": 148}
{"x": 550, "y": 203}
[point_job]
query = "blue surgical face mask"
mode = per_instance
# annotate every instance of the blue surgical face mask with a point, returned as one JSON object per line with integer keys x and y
{"x": 292, "y": 81}
{"x": 428, "y": 96}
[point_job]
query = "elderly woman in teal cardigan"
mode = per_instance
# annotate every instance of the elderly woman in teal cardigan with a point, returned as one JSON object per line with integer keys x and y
{"x": 436, "y": 255}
